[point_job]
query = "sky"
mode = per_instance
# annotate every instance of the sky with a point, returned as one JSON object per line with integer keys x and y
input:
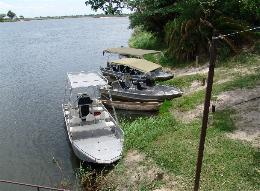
{"x": 35, "y": 8}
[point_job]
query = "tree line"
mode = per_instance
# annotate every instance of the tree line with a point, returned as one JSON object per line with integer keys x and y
{"x": 11, "y": 16}
{"x": 186, "y": 26}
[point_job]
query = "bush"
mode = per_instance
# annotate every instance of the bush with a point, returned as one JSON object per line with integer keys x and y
{"x": 143, "y": 39}
{"x": 189, "y": 33}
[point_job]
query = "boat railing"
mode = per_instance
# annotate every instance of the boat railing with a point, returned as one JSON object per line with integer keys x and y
{"x": 37, "y": 187}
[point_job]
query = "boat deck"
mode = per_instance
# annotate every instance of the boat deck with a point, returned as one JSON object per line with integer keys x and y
{"x": 102, "y": 148}
{"x": 97, "y": 140}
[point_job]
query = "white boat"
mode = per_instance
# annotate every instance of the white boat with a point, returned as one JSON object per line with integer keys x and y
{"x": 93, "y": 133}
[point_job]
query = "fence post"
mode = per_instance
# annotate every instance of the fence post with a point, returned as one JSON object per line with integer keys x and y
{"x": 203, "y": 132}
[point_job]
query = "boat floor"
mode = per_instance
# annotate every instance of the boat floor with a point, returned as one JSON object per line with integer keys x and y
{"x": 105, "y": 148}
{"x": 100, "y": 143}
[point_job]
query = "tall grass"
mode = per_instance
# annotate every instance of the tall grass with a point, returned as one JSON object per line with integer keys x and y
{"x": 144, "y": 40}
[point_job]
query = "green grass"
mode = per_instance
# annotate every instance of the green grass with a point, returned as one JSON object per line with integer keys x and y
{"x": 242, "y": 59}
{"x": 167, "y": 61}
{"x": 184, "y": 81}
{"x": 146, "y": 130}
{"x": 186, "y": 103}
{"x": 228, "y": 164}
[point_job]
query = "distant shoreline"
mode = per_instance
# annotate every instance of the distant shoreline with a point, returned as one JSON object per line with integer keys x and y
{"x": 64, "y": 17}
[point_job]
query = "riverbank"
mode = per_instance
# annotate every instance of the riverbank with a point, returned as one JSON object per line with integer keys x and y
{"x": 160, "y": 151}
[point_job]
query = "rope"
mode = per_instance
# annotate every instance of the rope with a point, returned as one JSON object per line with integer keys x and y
{"x": 234, "y": 33}
{"x": 31, "y": 185}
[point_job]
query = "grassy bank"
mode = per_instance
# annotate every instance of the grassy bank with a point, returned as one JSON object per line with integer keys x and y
{"x": 172, "y": 144}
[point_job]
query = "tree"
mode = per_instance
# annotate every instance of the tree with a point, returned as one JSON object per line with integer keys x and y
{"x": 188, "y": 25}
{"x": 108, "y": 6}
{"x": 188, "y": 34}
{"x": 11, "y": 14}
{"x": 2, "y": 16}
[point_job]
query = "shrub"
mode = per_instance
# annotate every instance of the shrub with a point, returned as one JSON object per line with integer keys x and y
{"x": 143, "y": 39}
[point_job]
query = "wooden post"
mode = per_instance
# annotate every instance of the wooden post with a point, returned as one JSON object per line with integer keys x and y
{"x": 197, "y": 61}
{"x": 203, "y": 83}
{"x": 212, "y": 60}
{"x": 213, "y": 108}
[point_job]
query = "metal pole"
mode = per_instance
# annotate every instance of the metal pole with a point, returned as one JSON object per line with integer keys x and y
{"x": 212, "y": 60}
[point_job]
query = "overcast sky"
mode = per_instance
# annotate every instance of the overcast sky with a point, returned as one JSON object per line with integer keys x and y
{"x": 33, "y": 8}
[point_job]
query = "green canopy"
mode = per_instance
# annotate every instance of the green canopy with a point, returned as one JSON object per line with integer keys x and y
{"x": 137, "y": 64}
{"x": 139, "y": 53}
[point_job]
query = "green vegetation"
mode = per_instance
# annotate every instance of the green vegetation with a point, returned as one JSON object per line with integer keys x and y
{"x": 11, "y": 14}
{"x": 11, "y": 17}
{"x": 183, "y": 82}
{"x": 144, "y": 40}
{"x": 186, "y": 27}
{"x": 172, "y": 144}
{"x": 228, "y": 164}
{"x": 186, "y": 103}
{"x": 182, "y": 30}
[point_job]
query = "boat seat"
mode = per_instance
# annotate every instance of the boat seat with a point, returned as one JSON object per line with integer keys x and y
{"x": 90, "y": 117}
{"x": 149, "y": 82}
{"x": 101, "y": 125}
{"x": 103, "y": 116}
{"x": 123, "y": 85}
{"x": 75, "y": 121}
{"x": 139, "y": 87}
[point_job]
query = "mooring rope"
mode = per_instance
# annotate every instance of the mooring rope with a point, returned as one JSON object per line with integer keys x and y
{"x": 221, "y": 36}
{"x": 32, "y": 185}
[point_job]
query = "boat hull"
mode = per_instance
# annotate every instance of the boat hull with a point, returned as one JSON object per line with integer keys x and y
{"x": 133, "y": 106}
{"x": 139, "y": 96}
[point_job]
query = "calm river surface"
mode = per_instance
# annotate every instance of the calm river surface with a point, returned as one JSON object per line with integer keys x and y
{"x": 34, "y": 59}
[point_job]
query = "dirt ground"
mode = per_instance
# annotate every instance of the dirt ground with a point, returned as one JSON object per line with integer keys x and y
{"x": 246, "y": 103}
{"x": 140, "y": 170}
{"x": 190, "y": 70}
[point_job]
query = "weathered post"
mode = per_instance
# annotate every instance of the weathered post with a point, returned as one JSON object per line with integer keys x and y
{"x": 197, "y": 61}
{"x": 212, "y": 50}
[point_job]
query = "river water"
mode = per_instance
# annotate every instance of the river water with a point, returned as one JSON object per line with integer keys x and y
{"x": 34, "y": 59}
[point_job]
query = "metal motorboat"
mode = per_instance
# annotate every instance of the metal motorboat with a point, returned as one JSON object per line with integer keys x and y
{"x": 94, "y": 134}
{"x": 133, "y": 63}
{"x": 136, "y": 68}
{"x": 140, "y": 91}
